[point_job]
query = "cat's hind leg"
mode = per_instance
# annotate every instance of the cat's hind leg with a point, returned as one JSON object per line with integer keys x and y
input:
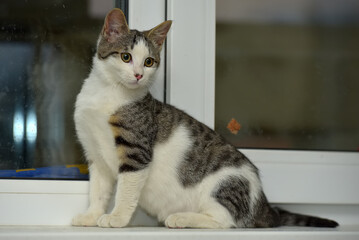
{"x": 191, "y": 220}
{"x": 195, "y": 220}
{"x": 216, "y": 217}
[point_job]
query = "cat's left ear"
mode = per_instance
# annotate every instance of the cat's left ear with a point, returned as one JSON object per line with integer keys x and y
{"x": 115, "y": 25}
{"x": 158, "y": 34}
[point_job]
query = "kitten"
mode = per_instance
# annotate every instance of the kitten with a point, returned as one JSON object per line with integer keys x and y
{"x": 173, "y": 166}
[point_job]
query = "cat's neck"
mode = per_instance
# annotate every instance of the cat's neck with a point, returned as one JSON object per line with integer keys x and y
{"x": 105, "y": 79}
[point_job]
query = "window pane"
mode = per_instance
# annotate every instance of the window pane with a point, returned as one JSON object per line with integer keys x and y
{"x": 288, "y": 73}
{"x": 46, "y": 50}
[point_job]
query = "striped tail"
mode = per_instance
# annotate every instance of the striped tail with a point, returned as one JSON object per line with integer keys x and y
{"x": 294, "y": 219}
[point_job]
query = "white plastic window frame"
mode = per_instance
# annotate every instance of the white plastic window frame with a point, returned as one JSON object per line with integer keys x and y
{"x": 323, "y": 182}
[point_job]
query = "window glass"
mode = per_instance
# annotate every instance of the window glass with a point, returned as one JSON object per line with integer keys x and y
{"x": 46, "y": 50}
{"x": 287, "y": 74}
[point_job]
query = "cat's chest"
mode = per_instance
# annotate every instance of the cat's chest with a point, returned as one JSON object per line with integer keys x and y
{"x": 95, "y": 105}
{"x": 97, "y": 99}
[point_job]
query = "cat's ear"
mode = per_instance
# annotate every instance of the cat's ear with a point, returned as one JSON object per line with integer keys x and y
{"x": 158, "y": 34}
{"x": 115, "y": 25}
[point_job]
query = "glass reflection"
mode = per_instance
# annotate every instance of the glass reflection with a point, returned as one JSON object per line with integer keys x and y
{"x": 287, "y": 72}
{"x": 46, "y": 49}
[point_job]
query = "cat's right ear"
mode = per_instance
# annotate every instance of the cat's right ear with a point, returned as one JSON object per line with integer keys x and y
{"x": 115, "y": 25}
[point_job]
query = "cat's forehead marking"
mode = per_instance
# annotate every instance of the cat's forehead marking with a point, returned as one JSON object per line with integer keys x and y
{"x": 127, "y": 43}
{"x": 139, "y": 38}
{"x": 140, "y": 49}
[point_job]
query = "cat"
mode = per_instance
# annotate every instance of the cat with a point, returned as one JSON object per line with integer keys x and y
{"x": 157, "y": 156}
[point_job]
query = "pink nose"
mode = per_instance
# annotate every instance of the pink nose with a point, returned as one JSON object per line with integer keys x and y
{"x": 138, "y": 76}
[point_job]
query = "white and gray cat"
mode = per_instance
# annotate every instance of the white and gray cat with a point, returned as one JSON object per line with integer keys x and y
{"x": 160, "y": 158}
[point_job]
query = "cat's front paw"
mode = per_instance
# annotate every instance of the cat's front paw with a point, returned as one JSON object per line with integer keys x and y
{"x": 109, "y": 220}
{"x": 86, "y": 220}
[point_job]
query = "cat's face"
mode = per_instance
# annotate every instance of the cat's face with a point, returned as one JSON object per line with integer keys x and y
{"x": 131, "y": 57}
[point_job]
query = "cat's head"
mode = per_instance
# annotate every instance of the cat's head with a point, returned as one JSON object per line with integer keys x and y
{"x": 130, "y": 57}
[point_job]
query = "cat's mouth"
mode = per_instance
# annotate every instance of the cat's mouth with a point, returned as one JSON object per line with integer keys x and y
{"x": 134, "y": 84}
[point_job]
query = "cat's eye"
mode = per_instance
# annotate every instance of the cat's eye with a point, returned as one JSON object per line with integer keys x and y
{"x": 126, "y": 57}
{"x": 149, "y": 62}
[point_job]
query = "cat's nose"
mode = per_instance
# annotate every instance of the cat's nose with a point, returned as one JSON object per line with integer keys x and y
{"x": 138, "y": 76}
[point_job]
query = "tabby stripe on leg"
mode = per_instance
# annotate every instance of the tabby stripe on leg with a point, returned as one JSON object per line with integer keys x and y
{"x": 128, "y": 168}
{"x": 121, "y": 141}
{"x": 138, "y": 158}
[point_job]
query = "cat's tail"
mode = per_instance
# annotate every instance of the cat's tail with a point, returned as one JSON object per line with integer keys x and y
{"x": 295, "y": 219}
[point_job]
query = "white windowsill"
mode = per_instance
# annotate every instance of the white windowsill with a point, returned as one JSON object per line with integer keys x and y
{"x": 66, "y": 232}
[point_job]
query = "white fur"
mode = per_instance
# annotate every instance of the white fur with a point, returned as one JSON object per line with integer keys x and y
{"x": 163, "y": 178}
{"x": 129, "y": 187}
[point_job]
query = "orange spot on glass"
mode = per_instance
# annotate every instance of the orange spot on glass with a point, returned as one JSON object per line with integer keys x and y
{"x": 234, "y": 126}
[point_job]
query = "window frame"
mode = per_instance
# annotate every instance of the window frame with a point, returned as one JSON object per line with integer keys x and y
{"x": 50, "y": 202}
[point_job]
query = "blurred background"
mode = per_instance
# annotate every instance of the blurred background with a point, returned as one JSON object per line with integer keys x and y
{"x": 46, "y": 50}
{"x": 288, "y": 72}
